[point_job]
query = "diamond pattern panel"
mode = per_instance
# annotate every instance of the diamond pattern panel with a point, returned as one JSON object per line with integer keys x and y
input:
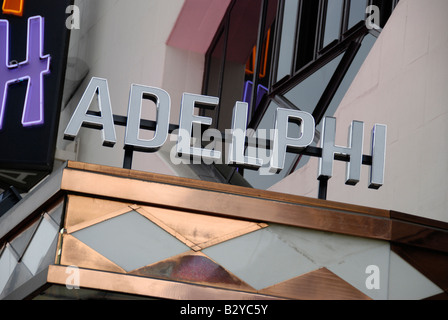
{"x": 82, "y": 209}
{"x": 432, "y": 264}
{"x": 406, "y": 283}
{"x": 30, "y": 252}
{"x": 354, "y": 270}
{"x": 320, "y": 284}
{"x": 8, "y": 262}
{"x": 279, "y": 260}
{"x": 261, "y": 259}
{"x": 44, "y": 237}
{"x": 198, "y": 231}
{"x": 77, "y": 253}
{"x": 131, "y": 241}
{"x": 194, "y": 267}
{"x": 346, "y": 256}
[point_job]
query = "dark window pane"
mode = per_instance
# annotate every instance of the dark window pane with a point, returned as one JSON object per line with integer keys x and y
{"x": 307, "y": 94}
{"x": 215, "y": 63}
{"x": 357, "y": 12}
{"x": 333, "y": 21}
{"x": 353, "y": 70}
{"x": 243, "y": 34}
{"x": 287, "y": 38}
{"x": 216, "y": 58}
{"x": 307, "y": 34}
{"x": 232, "y": 77}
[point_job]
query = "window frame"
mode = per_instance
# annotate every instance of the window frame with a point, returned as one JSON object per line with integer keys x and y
{"x": 348, "y": 44}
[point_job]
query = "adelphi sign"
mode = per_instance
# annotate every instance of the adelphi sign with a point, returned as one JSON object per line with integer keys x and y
{"x": 237, "y": 154}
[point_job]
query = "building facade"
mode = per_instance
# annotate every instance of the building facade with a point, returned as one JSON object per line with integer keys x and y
{"x": 121, "y": 211}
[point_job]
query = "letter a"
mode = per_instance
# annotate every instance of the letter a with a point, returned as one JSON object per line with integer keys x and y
{"x": 105, "y": 121}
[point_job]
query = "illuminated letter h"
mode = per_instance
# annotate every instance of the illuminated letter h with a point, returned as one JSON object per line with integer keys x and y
{"x": 31, "y": 70}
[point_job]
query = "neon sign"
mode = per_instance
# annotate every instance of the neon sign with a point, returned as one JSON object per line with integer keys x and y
{"x": 31, "y": 70}
{"x": 34, "y": 43}
{"x": 282, "y": 142}
{"x": 14, "y": 7}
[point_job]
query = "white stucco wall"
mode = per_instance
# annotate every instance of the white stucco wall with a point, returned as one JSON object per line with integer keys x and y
{"x": 403, "y": 84}
{"x": 125, "y": 43}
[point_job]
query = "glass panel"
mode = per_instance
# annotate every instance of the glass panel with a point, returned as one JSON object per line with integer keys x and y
{"x": 357, "y": 12}
{"x": 131, "y": 241}
{"x": 8, "y": 262}
{"x": 243, "y": 257}
{"x": 48, "y": 258}
{"x": 230, "y": 77}
{"x": 333, "y": 21}
{"x": 366, "y": 46}
{"x": 20, "y": 276}
{"x": 307, "y": 94}
{"x": 242, "y": 38}
{"x": 40, "y": 244}
{"x": 56, "y": 213}
{"x": 21, "y": 241}
{"x": 309, "y": 17}
{"x": 288, "y": 36}
{"x": 216, "y": 59}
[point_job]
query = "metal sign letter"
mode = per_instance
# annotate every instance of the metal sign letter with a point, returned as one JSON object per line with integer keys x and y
{"x": 105, "y": 121}
{"x": 354, "y": 150}
{"x": 281, "y": 140}
{"x": 163, "y": 102}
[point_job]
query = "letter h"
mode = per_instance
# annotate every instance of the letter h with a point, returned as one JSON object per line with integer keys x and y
{"x": 31, "y": 70}
{"x": 353, "y": 153}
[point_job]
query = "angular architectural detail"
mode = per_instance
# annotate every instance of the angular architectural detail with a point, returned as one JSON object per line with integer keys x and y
{"x": 432, "y": 264}
{"x": 30, "y": 251}
{"x": 196, "y": 268}
{"x": 198, "y": 231}
{"x": 407, "y": 283}
{"x": 243, "y": 257}
{"x": 130, "y": 240}
{"x": 163, "y": 247}
{"x": 76, "y": 253}
{"x": 84, "y": 209}
{"x": 321, "y": 284}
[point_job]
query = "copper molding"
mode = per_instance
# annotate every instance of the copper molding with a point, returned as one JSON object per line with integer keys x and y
{"x": 224, "y": 188}
{"x": 320, "y": 284}
{"x": 194, "y": 267}
{"x": 198, "y": 231}
{"x": 82, "y": 209}
{"x": 213, "y": 199}
{"x": 224, "y": 204}
{"x": 160, "y": 289}
{"x": 76, "y": 253}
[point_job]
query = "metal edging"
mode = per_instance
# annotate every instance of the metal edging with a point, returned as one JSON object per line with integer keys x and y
{"x": 162, "y": 289}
